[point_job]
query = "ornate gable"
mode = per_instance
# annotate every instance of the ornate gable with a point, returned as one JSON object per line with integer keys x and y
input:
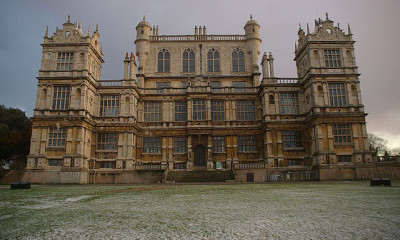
{"x": 324, "y": 31}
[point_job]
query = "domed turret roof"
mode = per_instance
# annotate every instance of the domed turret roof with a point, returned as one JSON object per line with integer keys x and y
{"x": 143, "y": 24}
{"x": 252, "y": 22}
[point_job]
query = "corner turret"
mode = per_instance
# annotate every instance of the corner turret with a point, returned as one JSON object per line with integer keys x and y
{"x": 253, "y": 40}
{"x": 143, "y": 30}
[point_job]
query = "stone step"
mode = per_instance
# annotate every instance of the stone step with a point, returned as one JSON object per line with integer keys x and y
{"x": 200, "y": 176}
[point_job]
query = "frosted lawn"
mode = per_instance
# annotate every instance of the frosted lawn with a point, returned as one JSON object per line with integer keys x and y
{"x": 347, "y": 210}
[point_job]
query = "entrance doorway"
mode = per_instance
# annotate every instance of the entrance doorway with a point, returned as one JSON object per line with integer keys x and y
{"x": 250, "y": 177}
{"x": 199, "y": 155}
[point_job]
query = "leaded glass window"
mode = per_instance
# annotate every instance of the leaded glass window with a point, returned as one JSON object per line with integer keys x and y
{"x": 239, "y": 86}
{"x": 246, "y": 110}
{"x": 199, "y": 110}
{"x": 65, "y": 61}
{"x": 238, "y": 60}
{"x": 217, "y": 110}
{"x": 188, "y": 60}
{"x": 289, "y": 102}
{"x": 152, "y": 111}
{"x": 218, "y": 144}
{"x": 213, "y": 60}
{"x": 162, "y": 85}
{"x": 180, "y": 144}
{"x": 180, "y": 111}
{"x": 337, "y": 95}
{"x": 61, "y": 97}
{"x": 344, "y": 158}
{"x": 247, "y": 144}
{"x": 151, "y": 144}
{"x": 292, "y": 139}
{"x": 107, "y": 141}
{"x": 57, "y": 137}
{"x": 163, "y": 60}
{"x": 332, "y": 58}
{"x": 109, "y": 105}
{"x": 216, "y": 86}
{"x": 341, "y": 133}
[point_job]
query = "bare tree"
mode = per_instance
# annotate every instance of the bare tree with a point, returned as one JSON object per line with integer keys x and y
{"x": 377, "y": 145}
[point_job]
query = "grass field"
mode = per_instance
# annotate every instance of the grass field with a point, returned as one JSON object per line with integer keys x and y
{"x": 345, "y": 210}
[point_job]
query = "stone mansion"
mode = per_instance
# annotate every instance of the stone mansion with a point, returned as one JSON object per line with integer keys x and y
{"x": 198, "y": 104}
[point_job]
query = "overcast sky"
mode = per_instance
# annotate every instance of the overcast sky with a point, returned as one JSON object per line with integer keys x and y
{"x": 374, "y": 24}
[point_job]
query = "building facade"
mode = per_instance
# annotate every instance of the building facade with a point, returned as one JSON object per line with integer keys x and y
{"x": 196, "y": 103}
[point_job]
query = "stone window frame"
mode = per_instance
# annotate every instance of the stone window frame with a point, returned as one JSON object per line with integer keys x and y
{"x": 289, "y": 103}
{"x": 247, "y": 144}
{"x": 152, "y": 111}
{"x": 239, "y": 86}
{"x": 107, "y": 164}
{"x": 180, "y": 111}
{"x": 333, "y": 58}
{"x": 109, "y": 105}
{"x": 217, "y": 110}
{"x": 65, "y": 61}
{"x": 238, "y": 60}
{"x": 162, "y": 85}
{"x": 199, "y": 109}
{"x": 246, "y": 110}
{"x": 337, "y": 95}
{"x": 213, "y": 60}
{"x": 188, "y": 60}
{"x": 218, "y": 144}
{"x": 151, "y": 145}
{"x": 107, "y": 141}
{"x": 342, "y": 134}
{"x": 292, "y": 139}
{"x": 216, "y": 86}
{"x": 61, "y": 97}
{"x": 180, "y": 144}
{"x": 295, "y": 162}
{"x": 57, "y": 137}
{"x": 344, "y": 158}
{"x": 163, "y": 60}
{"x": 55, "y": 162}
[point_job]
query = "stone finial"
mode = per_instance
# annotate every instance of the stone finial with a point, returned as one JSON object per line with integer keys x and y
{"x": 348, "y": 29}
{"x": 126, "y": 56}
{"x": 97, "y": 27}
{"x": 80, "y": 25}
{"x": 204, "y": 30}
{"x": 88, "y": 32}
{"x": 299, "y": 26}
{"x": 144, "y": 17}
{"x": 46, "y": 35}
{"x": 327, "y": 18}
{"x": 69, "y": 19}
{"x": 308, "y": 29}
{"x": 251, "y": 16}
{"x": 195, "y": 30}
{"x": 157, "y": 30}
{"x": 101, "y": 49}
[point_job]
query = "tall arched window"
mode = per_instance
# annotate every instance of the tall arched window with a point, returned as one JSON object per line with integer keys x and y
{"x": 238, "y": 60}
{"x": 188, "y": 60}
{"x": 213, "y": 60}
{"x": 163, "y": 60}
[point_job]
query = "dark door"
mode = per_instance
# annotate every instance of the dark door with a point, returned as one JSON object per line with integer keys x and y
{"x": 199, "y": 155}
{"x": 250, "y": 177}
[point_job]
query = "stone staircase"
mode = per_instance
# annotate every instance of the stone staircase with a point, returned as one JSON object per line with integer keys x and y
{"x": 200, "y": 176}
